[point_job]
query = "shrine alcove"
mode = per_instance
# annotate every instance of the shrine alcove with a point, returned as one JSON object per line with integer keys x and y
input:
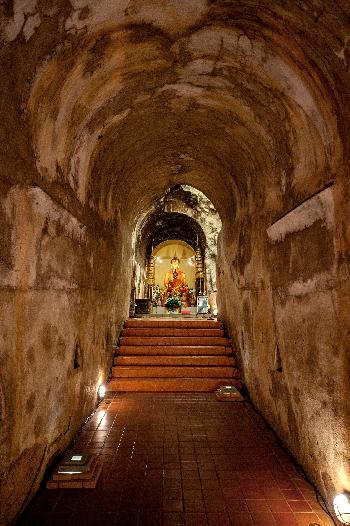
{"x": 186, "y": 216}
{"x": 163, "y": 256}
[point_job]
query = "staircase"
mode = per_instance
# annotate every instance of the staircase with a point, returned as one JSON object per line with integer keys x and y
{"x": 173, "y": 355}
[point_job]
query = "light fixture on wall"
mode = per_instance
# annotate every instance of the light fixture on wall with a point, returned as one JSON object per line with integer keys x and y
{"x": 341, "y": 504}
{"x": 101, "y": 391}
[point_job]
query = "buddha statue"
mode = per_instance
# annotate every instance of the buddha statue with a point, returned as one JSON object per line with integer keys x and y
{"x": 175, "y": 277}
{"x": 175, "y": 283}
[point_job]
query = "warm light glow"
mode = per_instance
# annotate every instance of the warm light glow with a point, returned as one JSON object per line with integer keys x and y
{"x": 343, "y": 476}
{"x": 215, "y": 312}
{"x": 102, "y": 391}
{"x": 342, "y": 508}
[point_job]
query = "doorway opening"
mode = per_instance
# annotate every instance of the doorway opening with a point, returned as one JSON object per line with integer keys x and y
{"x": 175, "y": 254}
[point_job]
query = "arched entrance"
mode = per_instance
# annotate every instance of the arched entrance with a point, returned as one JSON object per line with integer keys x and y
{"x": 177, "y": 225}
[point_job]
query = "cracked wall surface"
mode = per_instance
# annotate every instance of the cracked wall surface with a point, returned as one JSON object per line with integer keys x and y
{"x": 107, "y": 105}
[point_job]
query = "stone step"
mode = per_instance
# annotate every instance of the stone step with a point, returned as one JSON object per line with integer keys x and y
{"x": 174, "y": 356}
{"x": 170, "y": 384}
{"x": 212, "y": 361}
{"x": 159, "y": 350}
{"x": 174, "y": 340}
{"x": 181, "y": 324}
{"x": 171, "y": 331}
{"x": 160, "y": 371}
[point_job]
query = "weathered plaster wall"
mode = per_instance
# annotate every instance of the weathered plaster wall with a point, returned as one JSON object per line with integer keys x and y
{"x": 282, "y": 308}
{"x": 107, "y": 105}
{"x": 58, "y": 291}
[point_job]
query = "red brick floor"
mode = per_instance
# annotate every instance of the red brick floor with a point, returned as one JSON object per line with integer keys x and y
{"x": 181, "y": 459}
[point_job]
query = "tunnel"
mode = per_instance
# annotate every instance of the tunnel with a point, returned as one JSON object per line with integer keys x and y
{"x": 223, "y": 124}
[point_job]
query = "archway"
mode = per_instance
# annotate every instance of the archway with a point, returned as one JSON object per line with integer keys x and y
{"x": 185, "y": 214}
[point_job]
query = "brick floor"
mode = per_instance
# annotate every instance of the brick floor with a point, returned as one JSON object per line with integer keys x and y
{"x": 181, "y": 459}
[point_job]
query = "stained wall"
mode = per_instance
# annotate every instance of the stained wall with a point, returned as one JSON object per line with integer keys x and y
{"x": 59, "y": 319}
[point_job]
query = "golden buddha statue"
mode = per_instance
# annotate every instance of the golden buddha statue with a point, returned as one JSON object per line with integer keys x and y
{"x": 175, "y": 277}
{"x": 175, "y": 283}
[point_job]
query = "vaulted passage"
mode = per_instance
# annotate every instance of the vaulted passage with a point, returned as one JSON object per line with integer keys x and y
{"x": 220, "y": 125}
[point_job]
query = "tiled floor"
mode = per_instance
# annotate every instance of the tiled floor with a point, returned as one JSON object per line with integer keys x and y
{"x": 182, "y": 459}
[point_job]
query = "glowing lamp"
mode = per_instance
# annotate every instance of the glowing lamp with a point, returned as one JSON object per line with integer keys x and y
{"x": 75, "y": 464}
{"x": 341, "y": 504}
{"x": 102, "y": 391}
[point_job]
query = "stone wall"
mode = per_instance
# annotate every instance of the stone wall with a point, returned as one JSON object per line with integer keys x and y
{"x": 59, "y": 317}
{"x": 281, "y": 306}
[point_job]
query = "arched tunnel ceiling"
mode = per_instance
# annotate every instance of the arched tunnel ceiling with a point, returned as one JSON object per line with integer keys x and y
{"x": 172, "y": 225}
{"x": 182, "y": 213}
{"x": 229, "y": 97}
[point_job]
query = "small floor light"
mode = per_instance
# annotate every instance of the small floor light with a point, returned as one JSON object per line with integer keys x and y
{"x": 341, "y": 505}
{"x": 101, "y": 391}
{"x": 75, "y": 464}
